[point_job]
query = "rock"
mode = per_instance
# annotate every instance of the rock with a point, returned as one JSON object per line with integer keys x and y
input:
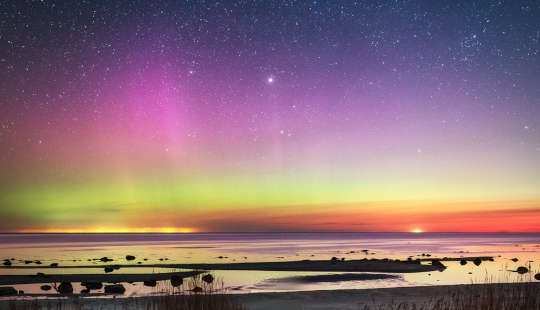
{"x": 197, "y": 289}
{"x": 514, "y": 259}
{"x": 40, "y": 274}
{"x": 522, "y": 270}
{"x": 437, "y": 263}
{"x": 21, "y": 292}
{"x": 176, "y": 280}
{"x": 85, "y": 291}
{"x": 7, "y": 263}
{"x": 27, "y": 262}
{"x": 106, "y": 259}
{"x": 38, "y": 262}
{"x": 537, "y": 276}
{"x": 65, "y": 288}
{"x": 45, "y": 287}
{"x": 208, "y": 278}
{"x": 54, "y": 265}
{"x": 463, "y": 262}
{"x": 115, "y": 289}
{"x": 130, "y": 257}
{"x": 151, "y": 283}
{"x": 92, "y": 285}
{"x": 116, "y": 267}
{"x": 477, "y": 261}
{"x": 108, "y": 269}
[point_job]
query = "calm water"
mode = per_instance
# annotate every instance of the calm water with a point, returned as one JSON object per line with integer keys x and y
{"x": 76, "y": 249}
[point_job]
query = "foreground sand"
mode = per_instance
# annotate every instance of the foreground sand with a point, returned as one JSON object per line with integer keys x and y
{"x": 331, "y": 299}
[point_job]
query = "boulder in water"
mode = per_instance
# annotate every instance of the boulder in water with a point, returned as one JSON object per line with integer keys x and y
{"x": 108, "y": 269}
{"x": 92, "y": 285}
{"x": 522, "y": 270}
{"x": 45, "y": 287}
{"x": 463, "y": 262}
{"x": 537, "y": 276}
{"x": 65, "y": 288}
{"x": 477, "y": 261}
{"x": 130, "y": 257}
{"x": 115, "y": 289}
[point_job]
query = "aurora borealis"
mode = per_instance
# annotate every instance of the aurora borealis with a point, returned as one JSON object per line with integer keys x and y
{"x": 269, "y": 116}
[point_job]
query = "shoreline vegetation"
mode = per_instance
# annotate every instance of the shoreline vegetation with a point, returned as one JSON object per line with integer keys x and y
{"x": 522, "y": 296}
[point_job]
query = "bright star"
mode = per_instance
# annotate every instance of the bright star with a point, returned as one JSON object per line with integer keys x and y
{"x": 270, "y": 80}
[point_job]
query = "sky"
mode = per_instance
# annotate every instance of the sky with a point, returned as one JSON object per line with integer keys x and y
{"x": 195, "y": 116}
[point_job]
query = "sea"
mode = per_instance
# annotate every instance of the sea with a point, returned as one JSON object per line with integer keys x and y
{"x": 509, "y": 251}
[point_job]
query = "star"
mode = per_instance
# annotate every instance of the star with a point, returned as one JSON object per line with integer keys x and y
{"x": 270, "y": 80}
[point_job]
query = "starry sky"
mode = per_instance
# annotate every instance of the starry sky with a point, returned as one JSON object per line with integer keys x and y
{"x": 185, "y": 116}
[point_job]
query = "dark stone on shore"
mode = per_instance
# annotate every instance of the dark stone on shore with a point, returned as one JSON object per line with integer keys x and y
{"x": 21, "y": 292}
{"x": 537, "y": 276}
{"x": 7, "y": 263}
{"x": 477, "y": 261}
{"x": 54, "y": 265}
{"x": 92, "y": 285}
{"x": 115, "y": 289}
{"x": 522, "y": 270}
{"x": 151, "y": 283}
{"x": 197, "y": 289}
{"x": 40, "y": 274}
{"x": 45, "y": 287}
{"x": 130, "y": 257}
{"x": 116, "y": 267}
{"x": 106, "y": 259}
{"x": 514, "y": 260}
{"x": 208, "y": 278}
{"x": 38, "y": 262}
{"x": 65, "y": 288}
{"x": 27, "y": 262}
{"x": 176, "y": 280}
{"x": 108, "y": 269}
{"x": 463, "y": 262}
{"x": 437, "y": 263}
{"x": 85, "y": 291}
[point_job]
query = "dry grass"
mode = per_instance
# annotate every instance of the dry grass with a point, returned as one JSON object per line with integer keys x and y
{"x": 167, "y": 297}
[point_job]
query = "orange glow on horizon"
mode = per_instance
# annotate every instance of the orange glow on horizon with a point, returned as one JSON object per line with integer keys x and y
{"x": 111, "y": 230}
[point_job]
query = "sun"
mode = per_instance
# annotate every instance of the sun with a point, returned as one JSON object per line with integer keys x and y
{"x": 417, "y": 230}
